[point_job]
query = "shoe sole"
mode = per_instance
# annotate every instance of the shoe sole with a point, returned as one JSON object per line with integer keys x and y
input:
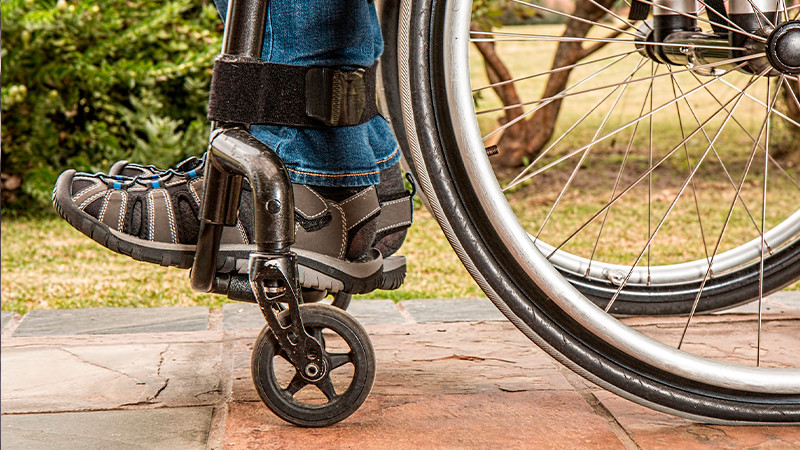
{"x": 315, "y": 270}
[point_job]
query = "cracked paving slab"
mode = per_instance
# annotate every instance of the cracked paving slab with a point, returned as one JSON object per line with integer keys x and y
{"x": 652, "y": 429}
{"x": 93, "y": 377}
{"x": 453, "y": 385}
{"x": 452, "y": 358}
{"x": 173, "y": 429}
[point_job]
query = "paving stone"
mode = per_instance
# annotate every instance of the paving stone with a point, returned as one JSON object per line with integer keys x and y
{"x": 521, "y": 420}
{"x": 778, "y": 303}
{"x": 790, "y": 299}
{"x": 652, "y": 429}
{"x": 90, "y": 377}
{"x": 452, "y": 310}
{"x": 66, "y": 322}
{"x": 5, "y": 318}
{"x": 240, "y": 315}
{"x": 443, "y": 385}
{"x": 448, "y": 358}
{"x": 730, "y": 338}
{"x": 176, "y": 428}
{"x": 370, "y": 312}
{"x": 247, "y": 315}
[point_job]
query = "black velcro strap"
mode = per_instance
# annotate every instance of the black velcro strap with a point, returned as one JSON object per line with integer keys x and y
{"x": 639, "y": 10}
{"x": 250, "y": 91}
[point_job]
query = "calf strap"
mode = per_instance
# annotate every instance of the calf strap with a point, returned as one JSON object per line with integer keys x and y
{"x": 249, "y": 91}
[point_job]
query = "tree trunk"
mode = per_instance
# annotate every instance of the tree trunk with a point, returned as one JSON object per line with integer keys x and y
{"x": 524, "y": 140}
{"x": 786, "y": 146}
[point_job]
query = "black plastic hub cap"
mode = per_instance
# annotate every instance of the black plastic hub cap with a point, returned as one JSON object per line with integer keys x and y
{"x": 783, "y": 48}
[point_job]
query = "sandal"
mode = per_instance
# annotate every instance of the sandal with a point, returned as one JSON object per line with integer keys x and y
{"x": 396, "y": 203}
{"x": 153, "y": 218}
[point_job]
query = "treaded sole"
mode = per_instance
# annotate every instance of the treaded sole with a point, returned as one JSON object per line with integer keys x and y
{"x": 316, "y": 271}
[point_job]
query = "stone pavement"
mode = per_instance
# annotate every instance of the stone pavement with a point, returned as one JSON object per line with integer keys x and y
{"x": 451, "y": 374}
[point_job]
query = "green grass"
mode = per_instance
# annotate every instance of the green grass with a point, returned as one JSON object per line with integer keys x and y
{"x": 601, "y": 113}
{"x": 47, "y": 264}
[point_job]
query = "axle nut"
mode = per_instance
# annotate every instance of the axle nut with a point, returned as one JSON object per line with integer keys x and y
{"x": 783, "y": 48}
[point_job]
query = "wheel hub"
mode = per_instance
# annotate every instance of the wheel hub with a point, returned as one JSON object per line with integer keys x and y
{"x": 783, "y": 48}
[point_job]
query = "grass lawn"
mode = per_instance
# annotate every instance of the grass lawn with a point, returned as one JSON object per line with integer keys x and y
{"x": 47, "y": 264}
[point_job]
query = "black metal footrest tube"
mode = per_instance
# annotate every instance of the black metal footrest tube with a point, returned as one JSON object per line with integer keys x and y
{"x": 274, "y": 282}
{"x": 235, "y": 154}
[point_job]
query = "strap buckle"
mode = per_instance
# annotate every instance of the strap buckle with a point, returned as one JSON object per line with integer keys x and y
{"x": 336, "y": 97}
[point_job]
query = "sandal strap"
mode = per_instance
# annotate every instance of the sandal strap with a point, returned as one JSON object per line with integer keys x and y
{"x": 396, "y": 214}
{"x": 360, "y": 207}
{"x": 308, "y": 203}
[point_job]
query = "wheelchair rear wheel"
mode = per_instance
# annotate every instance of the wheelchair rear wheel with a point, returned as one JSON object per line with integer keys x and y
{"x": 490, "y": 228}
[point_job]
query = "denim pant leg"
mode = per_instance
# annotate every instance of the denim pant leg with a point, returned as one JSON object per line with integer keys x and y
{"x": 337, "y": 33}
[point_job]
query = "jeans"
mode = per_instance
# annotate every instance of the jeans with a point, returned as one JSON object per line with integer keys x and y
{"x": 337, "y": 33}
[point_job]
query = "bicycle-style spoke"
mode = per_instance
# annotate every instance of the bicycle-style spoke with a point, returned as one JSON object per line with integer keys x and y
{"x": 675, "y": 91}
{"x": 650, "y": 178}
{"x": 632, "y": 122}
{"x": 566, "y": 133}
{"x": 737, "y": 30}
{"x": 760, "y": 13}
{"x": 617, "y": 181}
{"x": 552, "y": 71}
{"x": 646, "y": 173}
{"x": 615, "y": 15}
{"x": 763, "y": 223}
{"x": 784, "y": 172}
{"x": 717, "y": 155}
{"x": 526, "y": 37}
{"x": 791, "y": 91}
{"x": 742, "y": 60}
{"x": 775, "y": 112}
{"x": 761, "y": 103}
{"x": 574, "y": 17}
{"x": 724, "y": 228}
{"x": 543, "y": 104}
{"x": 675, "y": 201}
{"x": 585, "y": 155}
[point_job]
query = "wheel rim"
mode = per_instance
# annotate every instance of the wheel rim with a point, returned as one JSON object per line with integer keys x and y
{"x": 333, "y": 396}
{"x": 517, "y": 240}
{"x": 663, "y": 272}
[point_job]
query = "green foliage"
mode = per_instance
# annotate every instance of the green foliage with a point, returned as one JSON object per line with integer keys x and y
{"x": 89, "y": 82}
{"x": 490, "y": 14}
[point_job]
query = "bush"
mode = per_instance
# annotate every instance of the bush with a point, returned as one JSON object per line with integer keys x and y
{"x": 89, "y": 82}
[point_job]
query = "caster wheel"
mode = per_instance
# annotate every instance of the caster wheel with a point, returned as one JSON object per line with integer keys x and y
{"x": 348, "y": 354}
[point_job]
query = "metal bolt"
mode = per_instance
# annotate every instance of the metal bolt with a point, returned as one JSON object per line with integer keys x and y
{"x": 274, "y": 206}
{"x": 312, "y": 370}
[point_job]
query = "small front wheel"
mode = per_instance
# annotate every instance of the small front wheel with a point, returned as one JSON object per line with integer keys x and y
{"x": 350, "y": 362}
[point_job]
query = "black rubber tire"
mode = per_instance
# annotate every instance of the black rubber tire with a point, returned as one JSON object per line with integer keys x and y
{"x": 282, "y": 403}
{"x": 721, "y": 292}
{"x": 484, "y": 254}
